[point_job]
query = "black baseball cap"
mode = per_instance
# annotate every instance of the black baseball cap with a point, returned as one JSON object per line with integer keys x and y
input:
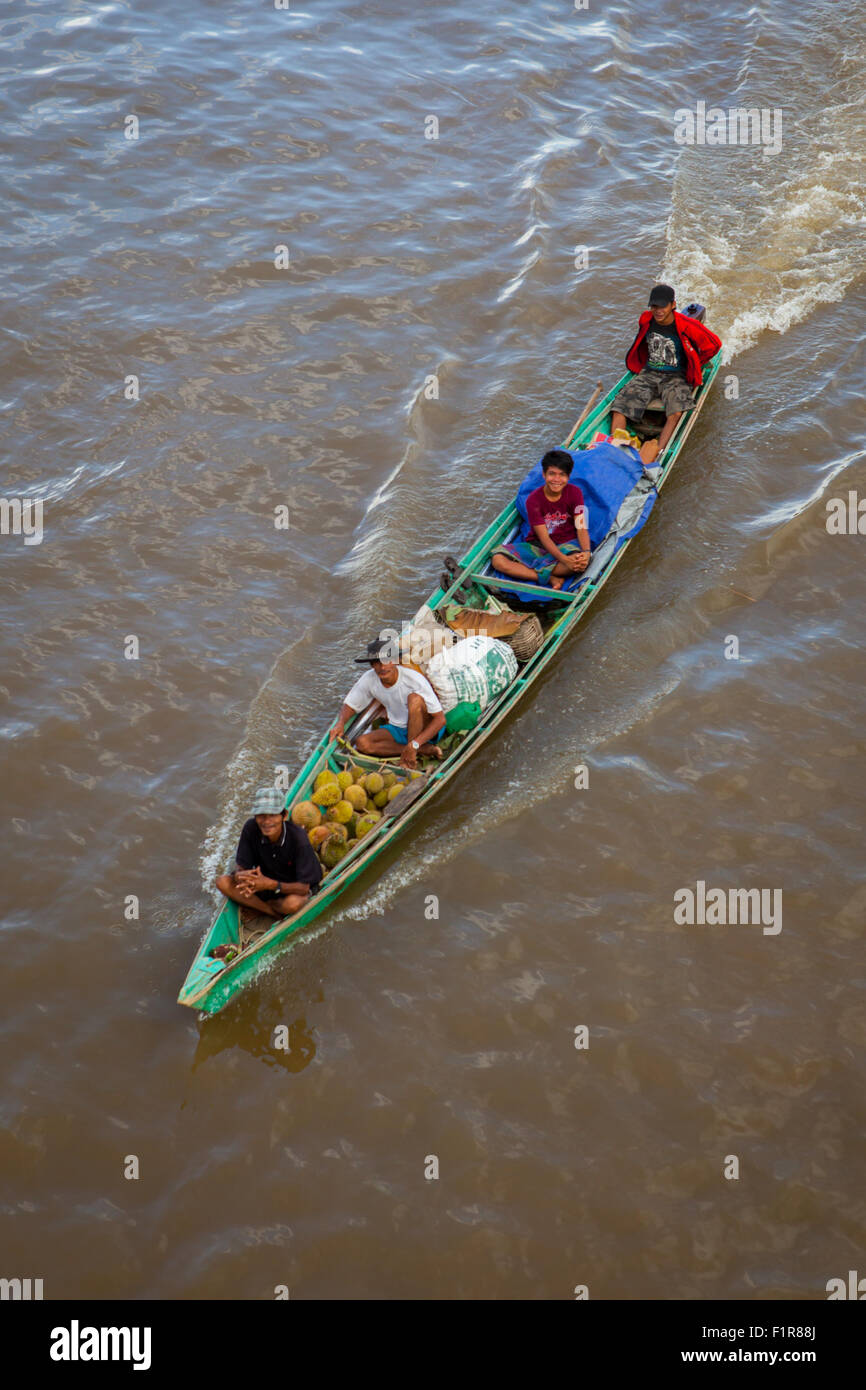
{"x": 380, "y": 650}
{"x": 660, "y": 295}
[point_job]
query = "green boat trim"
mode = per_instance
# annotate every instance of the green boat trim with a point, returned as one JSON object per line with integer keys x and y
{"x": 210, "y": 982}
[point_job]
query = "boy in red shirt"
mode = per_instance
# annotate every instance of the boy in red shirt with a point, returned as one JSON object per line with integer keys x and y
{"x": 556, "y": 544}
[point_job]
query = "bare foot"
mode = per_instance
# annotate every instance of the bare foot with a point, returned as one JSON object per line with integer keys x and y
{"x": 557, "y": 581}
{"x": 649, "y": 451}
{"x": 431, "y": 750}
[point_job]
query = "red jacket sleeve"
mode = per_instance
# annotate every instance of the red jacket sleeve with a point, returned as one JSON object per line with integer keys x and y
{"x": 707, "y": 343}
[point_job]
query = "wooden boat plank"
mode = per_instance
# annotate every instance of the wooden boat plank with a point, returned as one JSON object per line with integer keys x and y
{"x": 490, "y": 581}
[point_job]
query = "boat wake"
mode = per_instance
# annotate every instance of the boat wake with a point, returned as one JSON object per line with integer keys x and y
{"x": 437, "y": 844}
{"x": 256, "y": 758}
{"x": 763, "y": 239}
{"x": 388, "y": 531}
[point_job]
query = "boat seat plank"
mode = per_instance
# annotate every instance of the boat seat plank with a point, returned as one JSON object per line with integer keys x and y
{"x": 495, "y": 580}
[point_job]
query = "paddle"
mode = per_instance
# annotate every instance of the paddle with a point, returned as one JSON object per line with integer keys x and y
{"x": 410, "y": 793}
{"x": 586, "y": 409}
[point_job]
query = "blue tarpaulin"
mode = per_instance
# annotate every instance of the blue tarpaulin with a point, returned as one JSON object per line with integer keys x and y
{"x": 605, "y": 474}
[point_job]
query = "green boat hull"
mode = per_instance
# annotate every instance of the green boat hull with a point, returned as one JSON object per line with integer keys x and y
{"x": 210, "y": 983}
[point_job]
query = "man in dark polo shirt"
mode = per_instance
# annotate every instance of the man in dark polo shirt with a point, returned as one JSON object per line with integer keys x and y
{"x": 277, "y": 868}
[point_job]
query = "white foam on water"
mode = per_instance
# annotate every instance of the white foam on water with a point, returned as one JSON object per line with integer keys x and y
{"x": 376, "y": 535}
{"x": 764, "y": 239}
{"x": 221, "y": 838}
{"x": 252, "y": 765}
{"x": 798, "y": 262}
{"x": 797, "y": 507}
{"x": 517, "y": 280}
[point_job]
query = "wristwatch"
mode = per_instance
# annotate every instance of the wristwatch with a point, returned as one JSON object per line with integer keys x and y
{"x": 415, "y": 744}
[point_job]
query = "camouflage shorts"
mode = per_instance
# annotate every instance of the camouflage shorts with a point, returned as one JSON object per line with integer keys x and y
{"x": 673, "y": 390}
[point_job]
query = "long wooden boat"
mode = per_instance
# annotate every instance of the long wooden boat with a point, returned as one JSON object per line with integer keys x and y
{"x": 212, "y": 982}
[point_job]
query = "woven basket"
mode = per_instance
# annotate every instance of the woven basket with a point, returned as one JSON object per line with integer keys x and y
{"x": 527, "y": 639}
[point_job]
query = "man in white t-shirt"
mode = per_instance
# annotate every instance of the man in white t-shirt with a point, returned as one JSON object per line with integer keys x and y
{"x": 416, "y": 720}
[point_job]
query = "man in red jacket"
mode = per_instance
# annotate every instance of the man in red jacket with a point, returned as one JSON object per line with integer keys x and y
{"x": 668, "y": 356}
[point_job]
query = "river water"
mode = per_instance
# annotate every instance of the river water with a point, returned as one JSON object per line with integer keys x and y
{"x": 147, "y": 266}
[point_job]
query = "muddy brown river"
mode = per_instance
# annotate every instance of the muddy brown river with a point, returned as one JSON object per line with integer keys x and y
{"x": 582, "y": 1066}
